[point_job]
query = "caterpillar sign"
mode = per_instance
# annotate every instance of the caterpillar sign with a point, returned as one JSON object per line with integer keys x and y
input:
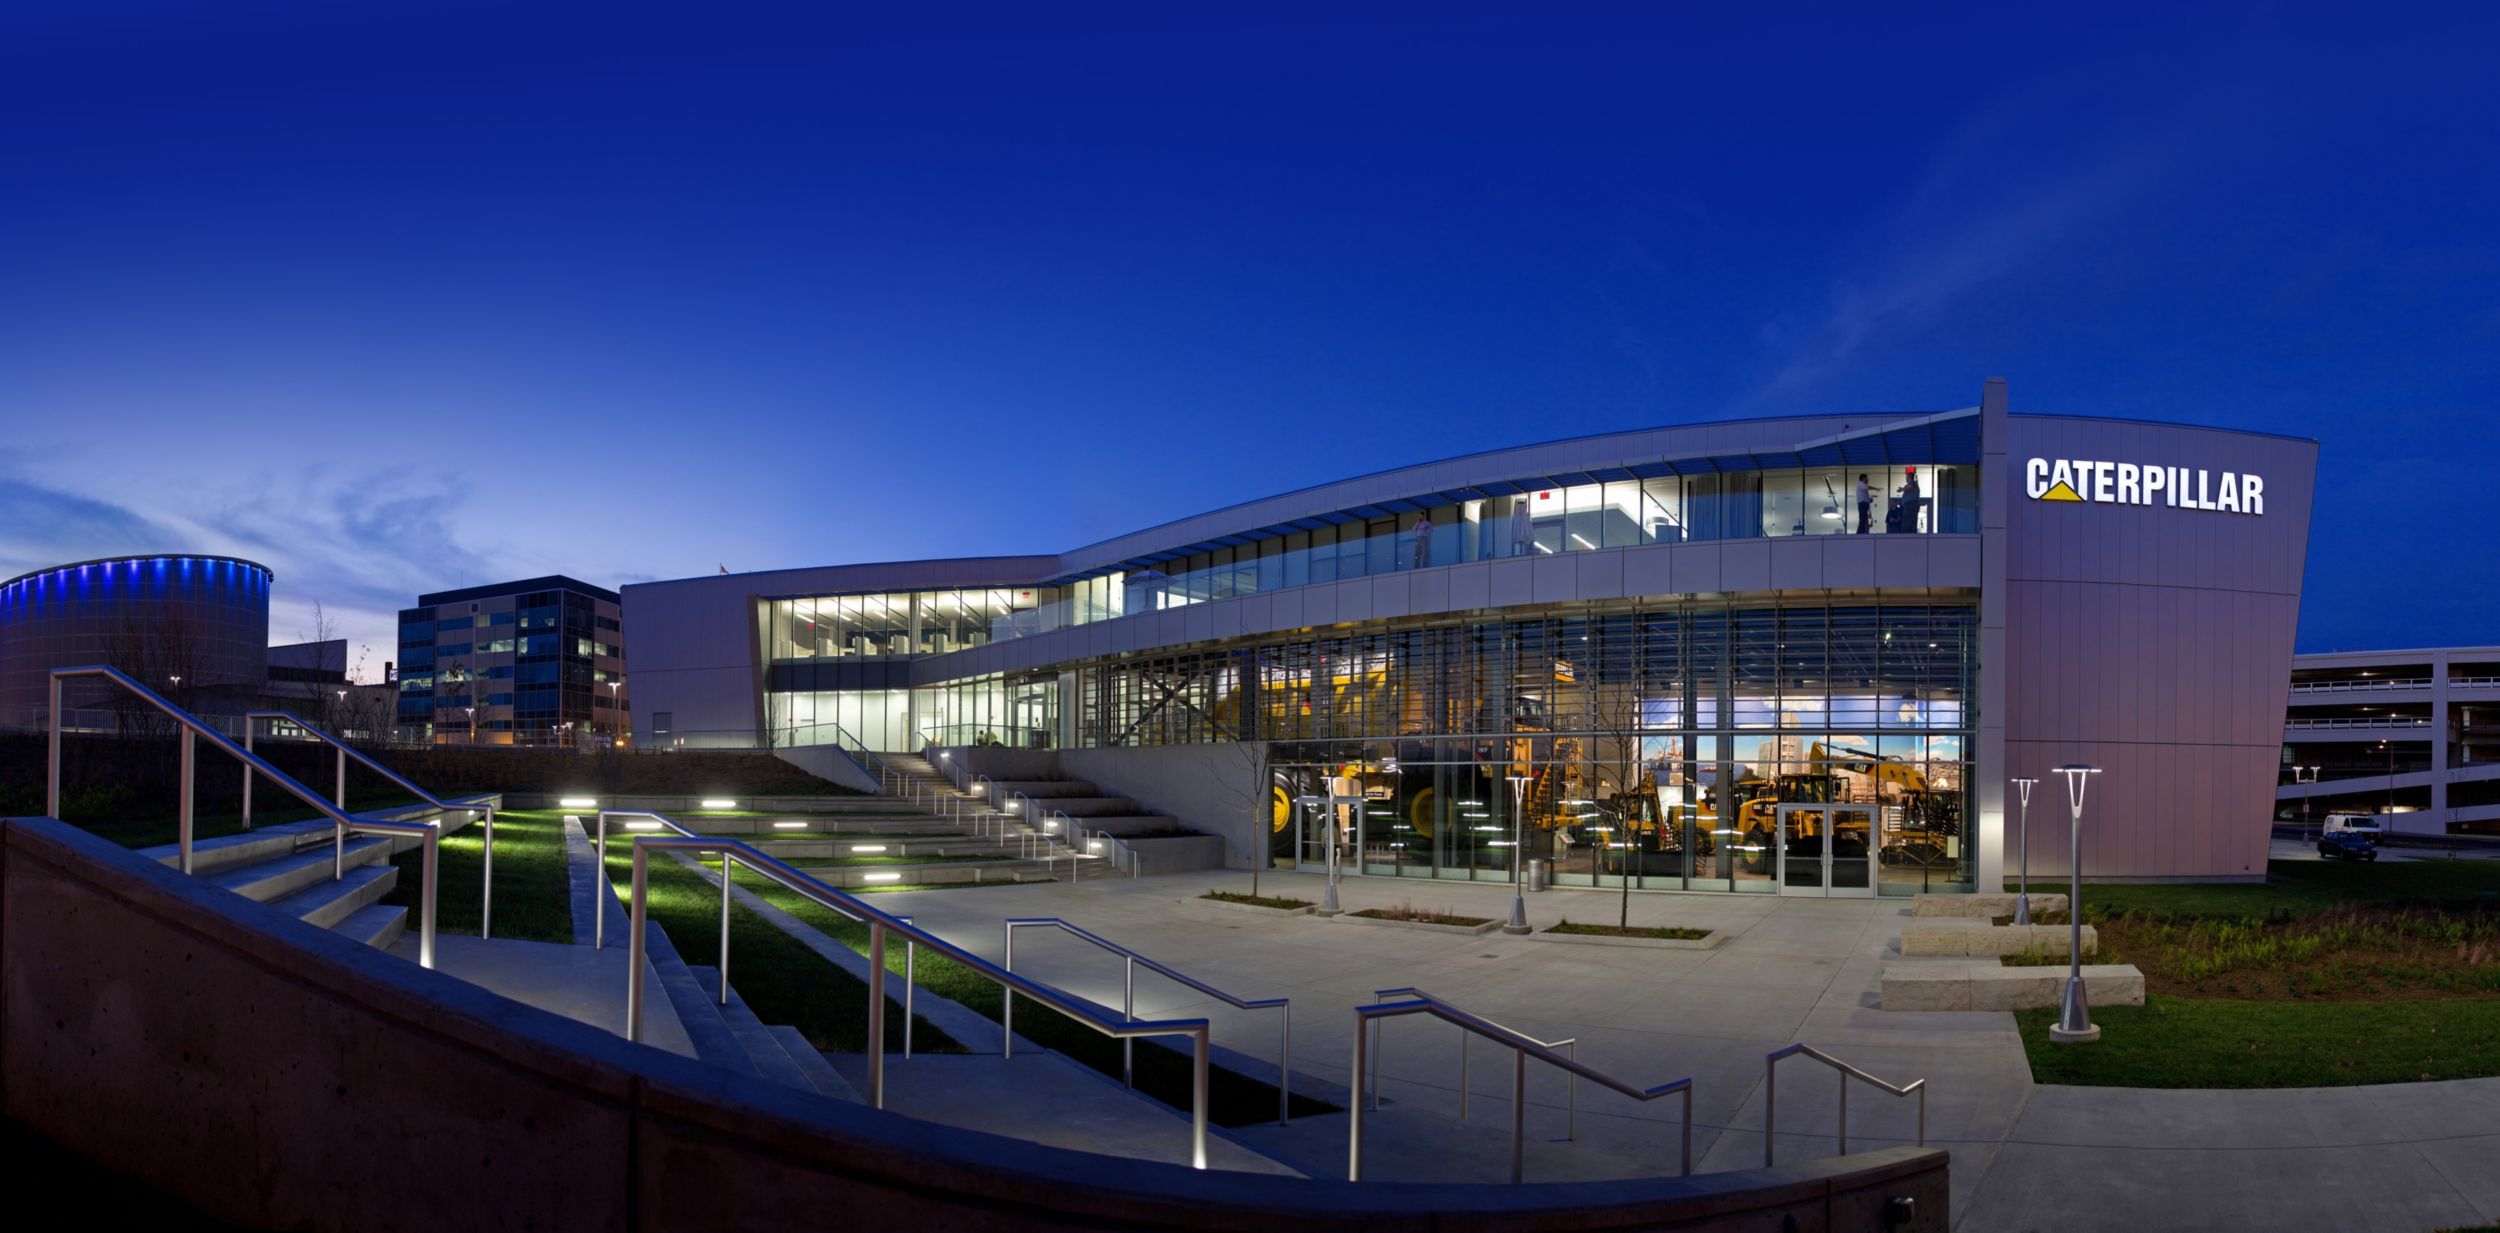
{"x": 2126, "y": 483}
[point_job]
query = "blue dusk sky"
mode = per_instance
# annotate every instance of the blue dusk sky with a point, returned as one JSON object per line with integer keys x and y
{"x": 396, "y": 298}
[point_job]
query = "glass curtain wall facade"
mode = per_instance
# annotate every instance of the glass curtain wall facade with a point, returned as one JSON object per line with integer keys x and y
{"x": 1901, "y": 500}
{"x": 1653, "y": 744}
{"x": 894, "y": 624}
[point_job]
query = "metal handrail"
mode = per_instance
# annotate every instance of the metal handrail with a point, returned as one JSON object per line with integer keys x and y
{"x": 1770, "y": 1094}
{"x": 881, "y": 923}
{"x": 1133, "y": 856}
{"x": 1128, "y": 1005}
{"x": 1522, "y": 1048}
{"x": 2392, "y": 721}
{"x": 599, "y": 938}
{"x": 1570, "y": 1045}
{"x": 486, "y": 906}
{"x": 341, "y": 821}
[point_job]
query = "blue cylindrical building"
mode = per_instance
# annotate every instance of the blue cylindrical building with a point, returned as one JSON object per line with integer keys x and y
{"x": 204, "y": 619}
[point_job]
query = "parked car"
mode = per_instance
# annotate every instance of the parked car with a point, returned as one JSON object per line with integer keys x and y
{"x": 2356, "y": 823}
{"x": 2347, "y": 845}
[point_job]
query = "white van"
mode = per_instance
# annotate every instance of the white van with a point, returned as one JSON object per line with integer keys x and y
{"x": 2358, "y": 823}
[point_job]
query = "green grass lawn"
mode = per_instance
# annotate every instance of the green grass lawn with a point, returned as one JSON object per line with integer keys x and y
{"x": 781, "y": 980}
{"x": 2218, "y": 1043}
{"x": 2307, "y": 1038}
{"x": 533, "y": 900}
{"x": 2300, "y": 888}
{"x": 1232, "y": 1099}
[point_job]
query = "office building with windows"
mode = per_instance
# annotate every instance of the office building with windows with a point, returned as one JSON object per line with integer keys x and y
{"x": 540, "y": 661}
{"x": 1797, "y": 655}
{"x": 2413, "y": 735}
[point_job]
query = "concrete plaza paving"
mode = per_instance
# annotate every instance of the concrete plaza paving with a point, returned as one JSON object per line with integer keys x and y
{"x": 1794, "y": 970}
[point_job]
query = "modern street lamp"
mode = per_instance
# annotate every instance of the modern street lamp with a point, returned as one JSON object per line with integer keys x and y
{"x": 2307, "y": 775}
{"x": 1518, "y": 856}
{"x": 616, "y": 717}
{"x": 2074, "y": 1014}
{"x": 2384, "y": 747}
{"x": 472, "y": 723}
{"x": 2022, "y": 884}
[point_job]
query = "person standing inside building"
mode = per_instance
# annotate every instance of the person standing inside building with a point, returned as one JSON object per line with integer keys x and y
{"x": 1522, "y": 527}
{"x": 1910, "y": 501}
{"x": 1423, "y": 539}
{"x": 1866, "y": 505}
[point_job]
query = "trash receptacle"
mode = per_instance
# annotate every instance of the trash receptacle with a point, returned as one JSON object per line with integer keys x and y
{"x": 1536, "y": 875}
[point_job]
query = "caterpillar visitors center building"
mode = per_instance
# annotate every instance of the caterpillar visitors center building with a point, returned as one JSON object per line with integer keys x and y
{"x": 1793, "y": 656}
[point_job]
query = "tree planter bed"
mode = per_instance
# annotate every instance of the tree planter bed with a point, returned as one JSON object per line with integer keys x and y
{"x": 1357, "y": 918}
{"x": 1708, "y": 941}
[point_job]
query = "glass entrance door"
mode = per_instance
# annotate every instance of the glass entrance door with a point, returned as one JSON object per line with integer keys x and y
{"x": 1826, "y": 850}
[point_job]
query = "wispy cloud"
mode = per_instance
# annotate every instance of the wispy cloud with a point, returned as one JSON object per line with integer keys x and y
{"x": 1991, "y": 202}
{"x": 42, "y": 526}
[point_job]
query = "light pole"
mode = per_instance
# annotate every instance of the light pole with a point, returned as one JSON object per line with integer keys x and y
{"x": 2306, "y": 775}
{"x": 616, "y": 713}
{"x": 1518, "y": 856}
{"x": 2074, "y": 1014}
{"x": 472, "y": 723}
{"x": 1326, "y": 809}
{"x": 2022, "y": 884}
{"x": 2384, "y": 747}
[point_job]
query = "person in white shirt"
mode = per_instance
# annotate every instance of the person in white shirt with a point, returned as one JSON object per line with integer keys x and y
{"x": 1866, "y": 505}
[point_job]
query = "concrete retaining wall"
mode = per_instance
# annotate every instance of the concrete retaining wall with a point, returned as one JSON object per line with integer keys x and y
{"x": 276, "y": 1075}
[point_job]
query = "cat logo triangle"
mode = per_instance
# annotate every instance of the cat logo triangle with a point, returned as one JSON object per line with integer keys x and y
{"x": 2060, "y": 491}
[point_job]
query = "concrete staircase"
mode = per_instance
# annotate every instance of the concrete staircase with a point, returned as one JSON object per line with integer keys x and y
{"x": 931, "y": 783}
{"x": 289, "y": 866}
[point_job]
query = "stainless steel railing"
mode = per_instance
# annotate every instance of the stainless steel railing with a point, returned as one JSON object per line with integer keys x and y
{"x": 341, "y": 822}
{"x": 1124, "y": 858}
{"x": 880, "y": 925}
{"x": 1770, "y": 1094}
{"x": 1128, "y": 1005}
{"x": 486, "y": 906}
{"x": 1570, "y": 1045}
{"x": 599, "y": 932}
{"x": 1522, "y": 1048}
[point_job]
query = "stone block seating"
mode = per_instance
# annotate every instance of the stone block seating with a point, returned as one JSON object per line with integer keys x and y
{"x": 1973, "y": 936}
{"x": 1983, "y": 905}
{"x": 1985, "y": 984}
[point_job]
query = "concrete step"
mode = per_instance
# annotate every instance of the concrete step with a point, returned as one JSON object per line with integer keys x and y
{"x": 327, "y": 902}
{"x": 956, "y": 871}
{"x": 698, "y": 1011}
{"x": 1086, "y": 807}
{"x": 762, "y": 1048}
{"x": 247, "y": 848}
{"x": 819, "y": 1071}
{"x": 274, "y": 879}
{"x": 377, "y": 926}
{"x": 1131, "y": 824}
{"x": 1050, "y": 788}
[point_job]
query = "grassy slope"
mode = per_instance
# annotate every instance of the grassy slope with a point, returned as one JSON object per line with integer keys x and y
{"x": 781, "y": 980}
{"x": 533, "y": 901}
{"x": 2222, "y": 1043}
{"x": 1233, "y": 1099}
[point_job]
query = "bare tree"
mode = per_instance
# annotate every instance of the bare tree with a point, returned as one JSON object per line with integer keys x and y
{"x": 1617, "y": 712}
{"x": 162, "y": 651}
{"x": 322, "y": 702}
{"x": 1253, "y": 792}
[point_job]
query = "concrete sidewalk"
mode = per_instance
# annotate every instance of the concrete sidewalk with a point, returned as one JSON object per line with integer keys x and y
{"x": 2025, "y": 1156}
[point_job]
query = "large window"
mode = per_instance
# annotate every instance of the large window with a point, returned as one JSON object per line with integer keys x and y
{"x": 1898, "y": 500}
{"x": 1654, "y": 745}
